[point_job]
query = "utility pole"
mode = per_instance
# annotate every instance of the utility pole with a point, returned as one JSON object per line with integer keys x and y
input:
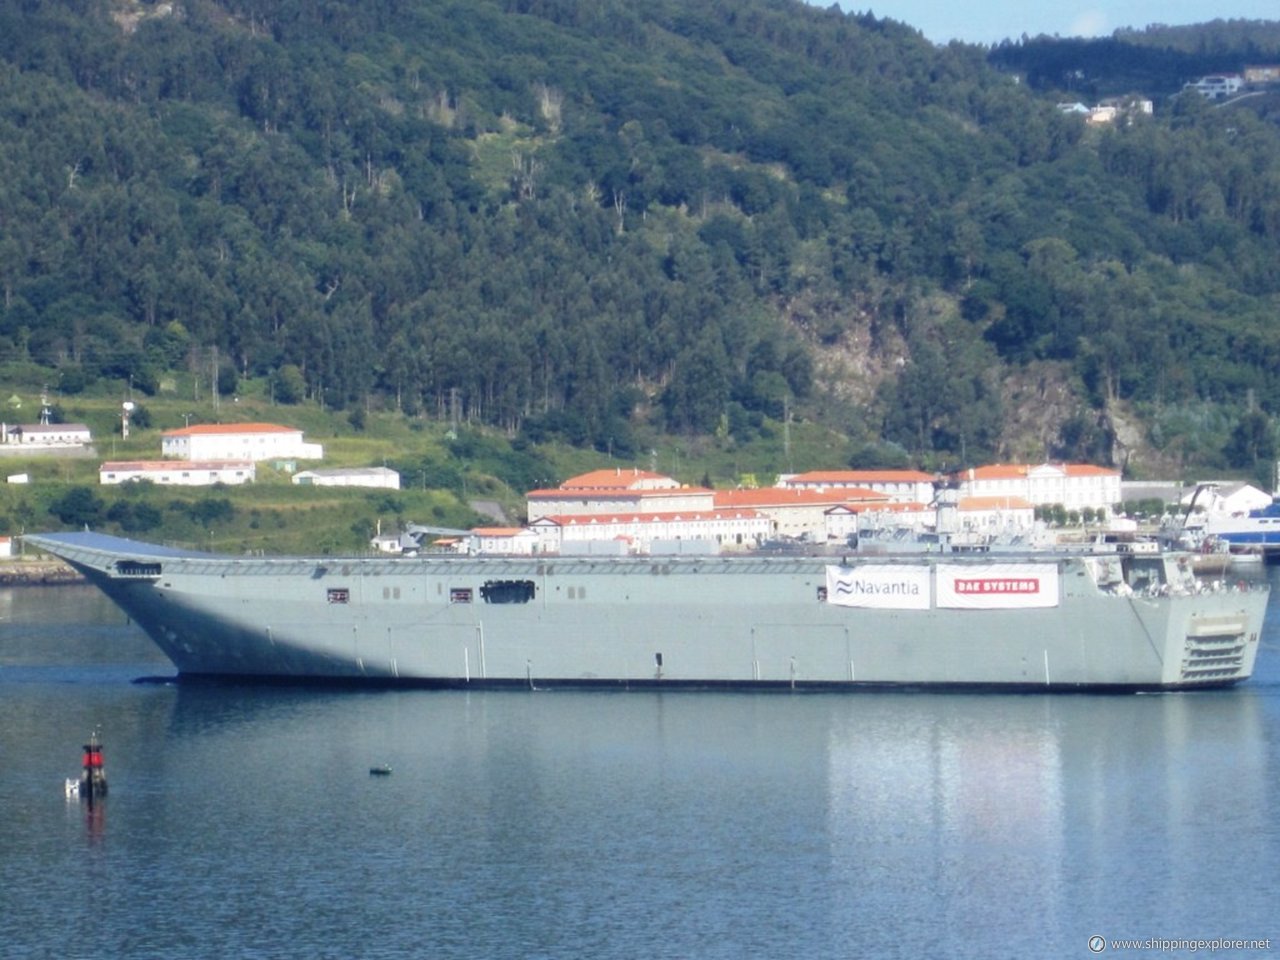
{"x": 786, "y": 431}
{"x": 213, "y": 375}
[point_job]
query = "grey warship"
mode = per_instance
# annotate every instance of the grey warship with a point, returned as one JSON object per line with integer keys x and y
{"x": 1047, "y": 621}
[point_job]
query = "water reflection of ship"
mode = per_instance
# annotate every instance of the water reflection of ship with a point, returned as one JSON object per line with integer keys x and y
{"x": 1045, "y": 792}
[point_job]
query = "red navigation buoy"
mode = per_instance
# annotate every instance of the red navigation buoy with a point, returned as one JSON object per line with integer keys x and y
{"x": 93, "y": 775}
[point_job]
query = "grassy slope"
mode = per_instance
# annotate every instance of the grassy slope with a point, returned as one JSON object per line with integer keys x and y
{"x": 273, "y": 515}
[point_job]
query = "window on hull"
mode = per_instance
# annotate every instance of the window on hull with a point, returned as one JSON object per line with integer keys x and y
{"x": 137, "y": 568}
{"x": 508, "y": 591}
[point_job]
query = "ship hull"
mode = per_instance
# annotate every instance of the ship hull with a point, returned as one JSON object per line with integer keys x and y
{"x": 697, "y": 622}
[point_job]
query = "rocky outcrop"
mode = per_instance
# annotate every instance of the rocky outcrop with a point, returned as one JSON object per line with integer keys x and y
{"x": 22, "y": 572}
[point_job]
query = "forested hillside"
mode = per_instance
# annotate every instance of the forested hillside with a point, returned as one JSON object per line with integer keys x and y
{"x": 1155, "y": 61}
{"x": 599, "y": 221}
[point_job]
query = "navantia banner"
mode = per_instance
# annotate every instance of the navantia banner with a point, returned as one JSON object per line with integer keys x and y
{"x": 1002, "y": 586}
{"x": 885, "y": 586}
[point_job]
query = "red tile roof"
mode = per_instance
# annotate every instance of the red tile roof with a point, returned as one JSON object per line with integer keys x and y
{"x": 891, "y": 507}
{"x": 614, "y": 479}
{"x": 994, "y": 503}
{"x": 160, "y": 465}
{"x": 1088, "y": 470}
{"x": 612, "y": 493}
{"x": 995, "y": 471}
{"x": 786, "y": 497}
{"x": 862, "y": 476}
{"x": 214, "y": 429}
{"x": 1016, "y": 471}
{"x": 588, "y": 519}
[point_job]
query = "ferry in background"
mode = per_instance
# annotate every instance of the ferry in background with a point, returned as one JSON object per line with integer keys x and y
{"x": 1249, "y": 534}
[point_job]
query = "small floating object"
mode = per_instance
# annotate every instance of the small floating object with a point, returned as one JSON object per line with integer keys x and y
{"x": 92, "y": 784}
{"x": 382, "y": 771}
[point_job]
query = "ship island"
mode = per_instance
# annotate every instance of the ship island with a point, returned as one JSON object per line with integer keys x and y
{"x": 577, "y": 605}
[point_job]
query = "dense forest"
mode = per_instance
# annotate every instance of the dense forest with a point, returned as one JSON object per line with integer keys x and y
{"x": 598, "y": 220}
{"x": 1156, "y": 60}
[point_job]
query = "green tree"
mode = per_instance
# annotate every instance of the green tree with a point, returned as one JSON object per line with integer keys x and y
{"x": 78, "y": 507}
{"x": 1252, "y": 439}
{"x": 288, "y": 385}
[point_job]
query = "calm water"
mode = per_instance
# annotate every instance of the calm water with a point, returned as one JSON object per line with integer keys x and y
{"x": 243, "y": 822}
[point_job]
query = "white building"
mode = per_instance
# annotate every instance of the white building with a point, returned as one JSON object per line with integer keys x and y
{"x": 238, "y": 441}
{"x": 45, "y": 434}
{"x": 1109, "y": 110}
{"x": 509, "y": 541}
{"x": 1216, "y": 86}
{"x": 1075, "y": 486}
{"x": 185, "y": 473}
{"x": 617, "y": 491}
{"x": 1226, "y": 497}
{"x": 727, "y": 529}
{"x": 387, "y": 543}
{"x": 617, "y": 478}
{"x": 905, "y": 486}
{"x": 995, "y": 515}
{"x": 796, "y": 513}
{"x": 382, "y": 478}
{"x": 858, "y": 519}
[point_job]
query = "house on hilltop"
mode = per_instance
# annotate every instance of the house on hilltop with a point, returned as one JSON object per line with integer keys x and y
{"x": 46, "y": 435}
{"x": 178, "y": 473}
{"x": 237, "y": 441}
{"x": 1262, "y": 74}
{"x": 1216, "y": 86}
{"x": 383, "y": 478}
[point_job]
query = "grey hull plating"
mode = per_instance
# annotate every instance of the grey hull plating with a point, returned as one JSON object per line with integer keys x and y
{"x": 688, "y": 621}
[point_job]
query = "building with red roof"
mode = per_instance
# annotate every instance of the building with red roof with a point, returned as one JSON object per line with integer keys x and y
{"x": 37, "y": 435}
{"x": 692, "y": 512}
{"x": 1073, "y": 485}
{"x": 617, "y": 491}
{"x": 511, "y": 541}
{"x": 797, "y": 513}
{"x": 618, "y": 478}
{"x": 903, "y": 485}
{"x": 726, "y": 529}
{"x": 853, "y": 519}
{"x": 178, "y": 473}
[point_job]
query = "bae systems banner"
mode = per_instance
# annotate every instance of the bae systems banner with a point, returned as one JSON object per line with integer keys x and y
{"x": 998, "y": 586}
{"x": 883, "y": 585}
